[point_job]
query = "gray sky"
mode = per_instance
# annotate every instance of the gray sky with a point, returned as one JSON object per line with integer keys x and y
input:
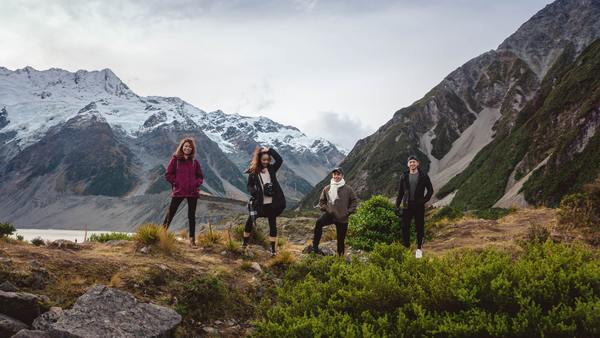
{"x": 337, "y": 69}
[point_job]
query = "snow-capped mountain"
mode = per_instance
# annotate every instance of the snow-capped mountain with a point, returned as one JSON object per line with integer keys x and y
{"x": 88, "y": 133}
{"x": 38, "y": 100}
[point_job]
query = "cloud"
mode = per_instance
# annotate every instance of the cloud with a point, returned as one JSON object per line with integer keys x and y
{"x": 338, "y": 128}
{"x": 292, "y": 61}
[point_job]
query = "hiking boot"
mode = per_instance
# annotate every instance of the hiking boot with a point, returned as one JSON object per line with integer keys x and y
{"x": 192, "y": 242}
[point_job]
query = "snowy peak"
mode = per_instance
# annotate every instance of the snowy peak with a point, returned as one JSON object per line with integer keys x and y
{"x": 57, "y": 83}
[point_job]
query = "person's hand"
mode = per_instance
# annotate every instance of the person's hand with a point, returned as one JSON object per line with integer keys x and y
{"x": 265, "y": 149}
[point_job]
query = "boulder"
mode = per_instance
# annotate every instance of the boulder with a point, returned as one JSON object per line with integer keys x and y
{"x": 64, "y": 244}
{"x": 9, "y": 326}
{"x": 46, "y": 319}
{"x": 8, "y": 287}
{"x": 256, "y": 267}
{"x": 20, "y": 305}
{"x": 107, "y": 312}
{"x": 31, "y": 334}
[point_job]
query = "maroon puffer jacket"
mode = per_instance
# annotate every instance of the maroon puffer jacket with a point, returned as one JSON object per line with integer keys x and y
{"x": 185, "y": 177}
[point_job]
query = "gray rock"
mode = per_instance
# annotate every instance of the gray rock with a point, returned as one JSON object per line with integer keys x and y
{"x": 326, "y": 249}
{"x": 20, "y": 305}
{"x": 107, "y": 312}
{"x": 145, "y": 250}
{"x": 39, "y": 278}
{"x": 9, "y": 326}
{"x": 46, "y": 319}
{"x": 8, "y": 287}
{"x": 31, "y": 334}
{"x": 64, "y": 244}
{"x": 117, "y": 242}
{"x": 256, "y": 267}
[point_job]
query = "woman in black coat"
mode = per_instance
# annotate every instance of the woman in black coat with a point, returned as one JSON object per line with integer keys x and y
{"x": 267, "y": 197}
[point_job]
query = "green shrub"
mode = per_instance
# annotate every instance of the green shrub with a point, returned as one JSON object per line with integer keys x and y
{"x": 210, "y": 292}
{"x": 549, "y": 290}
{"x": 6, "y": 229}
{"x": 109, "y": 236}
{"x": 20, "y": 238}
{"x": 38, "y": 241}
{"x": 375, "y": 221}
{"x": 492, "y": 213}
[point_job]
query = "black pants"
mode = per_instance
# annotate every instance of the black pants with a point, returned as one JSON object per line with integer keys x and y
{"x": 416, "y": 211}
{"x": 340, "y": 229}
{"x": 267, "y": 211}
{"x": 175, "y": 202}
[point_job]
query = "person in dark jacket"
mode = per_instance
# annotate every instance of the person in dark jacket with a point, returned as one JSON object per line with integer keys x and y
{"x": 185, "y": 176}
{"x": 267, "y": 197}
{"x": 338, "y": 201}
{"x": 411, "y": 200}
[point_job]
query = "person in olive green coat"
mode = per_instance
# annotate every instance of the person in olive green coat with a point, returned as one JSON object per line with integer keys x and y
{"x": 338, "y": 201}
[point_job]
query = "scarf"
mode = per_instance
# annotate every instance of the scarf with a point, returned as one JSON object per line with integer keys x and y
{"x": 333, "y": 189}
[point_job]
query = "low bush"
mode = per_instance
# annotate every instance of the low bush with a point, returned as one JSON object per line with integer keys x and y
{"x": 38, "y": 241}
{"x": 210, "y": 292}
{"x": 6, "y": 229}
{"x": 549, "y": 289}
{"x": 110, "y": 236}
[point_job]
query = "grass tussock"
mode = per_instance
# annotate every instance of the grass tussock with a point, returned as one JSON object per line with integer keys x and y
{"x": 156, "y": 237}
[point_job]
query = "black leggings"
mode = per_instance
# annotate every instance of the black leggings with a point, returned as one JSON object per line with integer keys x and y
{"x": 416, "y": 211}
{"x": 340, "y": 229}
{"x": 175, "y": 202}
{"x": 267, "y": 211}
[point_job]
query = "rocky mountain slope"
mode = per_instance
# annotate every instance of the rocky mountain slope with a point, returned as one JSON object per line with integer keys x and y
{"x": 64, "y": 135}
{"x": 501, "y": 124}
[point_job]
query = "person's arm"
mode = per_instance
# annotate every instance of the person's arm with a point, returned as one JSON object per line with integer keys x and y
{"x": 199, "y": 174}
{"x": 400, "y": 193}
{"x": 277, "y": 158}
{"x": 323, "y": 200}
{"x": 353, "y": 202}
{"x": 429, "y": 187}
{"x": 170, "y": 173}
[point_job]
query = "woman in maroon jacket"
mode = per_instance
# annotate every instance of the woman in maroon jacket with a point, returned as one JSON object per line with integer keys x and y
{"x": 185, "y": 175}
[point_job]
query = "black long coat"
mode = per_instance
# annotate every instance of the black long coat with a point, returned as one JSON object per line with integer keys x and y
{"x": 256, "y": 191}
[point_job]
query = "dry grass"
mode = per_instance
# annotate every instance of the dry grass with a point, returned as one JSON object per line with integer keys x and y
{"x": 283, "y": 260}
{"x": 210, "y": 238}
{"x": 156, "y": 236}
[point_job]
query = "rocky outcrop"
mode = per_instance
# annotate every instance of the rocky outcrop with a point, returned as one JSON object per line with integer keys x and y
{"x": 107, "y": 312}
{"x": 22, "y": 306}
{"x": 9, "y": 326}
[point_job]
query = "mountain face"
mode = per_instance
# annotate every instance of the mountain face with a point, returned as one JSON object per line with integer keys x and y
{"x": 88, "y": 134}
{"x": 513, "y": 126}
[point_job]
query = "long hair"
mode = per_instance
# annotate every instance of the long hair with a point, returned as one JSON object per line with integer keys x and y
{"x": 179, "y": 150}
{"x": 255, "y": 164}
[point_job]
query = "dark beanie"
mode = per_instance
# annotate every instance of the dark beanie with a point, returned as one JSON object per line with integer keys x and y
{"x": 338, "y": 169}
{"x": 413, "y": 157}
